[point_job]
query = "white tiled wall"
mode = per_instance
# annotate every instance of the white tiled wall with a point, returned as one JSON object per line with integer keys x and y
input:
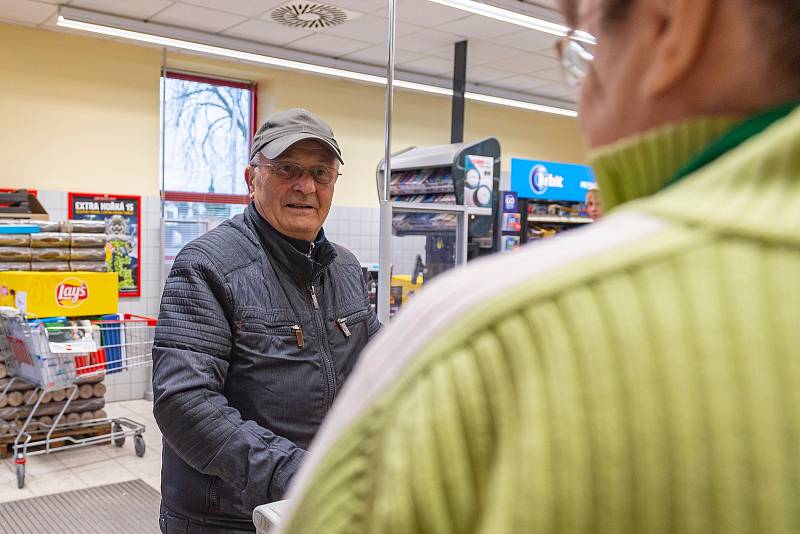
{"x": 130, "y": 384}
{"x": 357, "y": 229}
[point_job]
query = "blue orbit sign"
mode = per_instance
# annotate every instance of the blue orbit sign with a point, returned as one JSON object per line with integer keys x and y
{"x": 548, "y": 180}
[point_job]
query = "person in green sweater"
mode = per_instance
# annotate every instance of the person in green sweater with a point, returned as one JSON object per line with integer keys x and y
{"x": 638, "y": 376}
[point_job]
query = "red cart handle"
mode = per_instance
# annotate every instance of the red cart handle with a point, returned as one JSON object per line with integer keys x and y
{"x": 151, "y": 321}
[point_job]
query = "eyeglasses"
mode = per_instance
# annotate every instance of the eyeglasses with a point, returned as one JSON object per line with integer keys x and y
{"x": 288, "y": 171}
{"x": 575, "y": 58}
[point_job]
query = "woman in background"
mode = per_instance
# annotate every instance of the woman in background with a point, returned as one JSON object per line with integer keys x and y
{"x": 594, "y": 206}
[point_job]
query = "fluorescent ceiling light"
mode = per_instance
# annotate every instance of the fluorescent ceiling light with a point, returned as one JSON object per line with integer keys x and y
{"x": 298, "y": 65}
{"x": 414, "y": 86}
{"x": 520, "y": 104}
{"x": 218, "y": 51}
{"x": 512, "y": 17}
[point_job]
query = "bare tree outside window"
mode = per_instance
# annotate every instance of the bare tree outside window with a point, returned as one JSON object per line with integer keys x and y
{"x": 206, "y": 130}
{"x": 206, "y": 125}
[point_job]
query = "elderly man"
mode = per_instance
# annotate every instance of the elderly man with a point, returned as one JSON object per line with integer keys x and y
{"x": 262, "y": 319}
{"x": 638, "y": 376}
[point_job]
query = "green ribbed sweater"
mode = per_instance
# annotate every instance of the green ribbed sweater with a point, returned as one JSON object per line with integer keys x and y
{"x": 641, "y": 376}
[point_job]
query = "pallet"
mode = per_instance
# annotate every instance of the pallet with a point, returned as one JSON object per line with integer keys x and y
{"x": 7, "y": 441}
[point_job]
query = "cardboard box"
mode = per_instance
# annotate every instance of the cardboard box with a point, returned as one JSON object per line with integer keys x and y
{"x": 22, "y": 205}
{"x": 49, "y": 294}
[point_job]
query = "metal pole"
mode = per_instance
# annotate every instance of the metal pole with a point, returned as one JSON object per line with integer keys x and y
{"x": 459, "y": 87}
{"x": 148, "y": 386}
{"x": 385, "y": 233}
{"x": 462, "y": 221}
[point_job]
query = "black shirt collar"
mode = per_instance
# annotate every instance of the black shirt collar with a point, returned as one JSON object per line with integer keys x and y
{"x": 290, "y": 255}
{"x": 301, "y": 245}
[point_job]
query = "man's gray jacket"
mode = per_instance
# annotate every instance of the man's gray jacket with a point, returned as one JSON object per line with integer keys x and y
{"x": 254, "y": 341}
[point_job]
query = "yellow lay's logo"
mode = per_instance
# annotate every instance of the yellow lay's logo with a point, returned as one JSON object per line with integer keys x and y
{"x": 71, "y": 292}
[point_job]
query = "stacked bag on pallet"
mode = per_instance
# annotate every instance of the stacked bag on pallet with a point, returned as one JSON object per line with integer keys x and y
{"x": 16, "y": 405}
{"x": 62, "y": 356}
{"x": 56, "y": 246}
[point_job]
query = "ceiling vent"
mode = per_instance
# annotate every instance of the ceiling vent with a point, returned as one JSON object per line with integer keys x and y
{"x": 310, "y": 15}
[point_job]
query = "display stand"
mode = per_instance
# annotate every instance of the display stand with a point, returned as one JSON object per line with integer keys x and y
{"x": 439, "y": 192}
{"x": 551, "y": 196}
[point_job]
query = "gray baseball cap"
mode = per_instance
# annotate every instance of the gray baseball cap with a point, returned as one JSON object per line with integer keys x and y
{"x": 285, "y": 128}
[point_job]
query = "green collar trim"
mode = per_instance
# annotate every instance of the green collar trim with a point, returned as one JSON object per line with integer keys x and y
{"x": 732, "y": 139}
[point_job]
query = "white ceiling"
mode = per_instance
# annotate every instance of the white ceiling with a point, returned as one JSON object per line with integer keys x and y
{"x": 500, "y": 55}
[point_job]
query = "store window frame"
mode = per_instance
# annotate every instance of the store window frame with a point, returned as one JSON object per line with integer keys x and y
{"x": 169, "y": 195}
{"x": 213, "y": 198}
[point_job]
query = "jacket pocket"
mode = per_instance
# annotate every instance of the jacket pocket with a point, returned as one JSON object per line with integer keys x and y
{"x": 285, "y": 330}
{"x": 252, "y": 319}
{"x": 264, "y": 330}
{"x": 349, "y": 322}
{"x": 276, "y": 373}
{"x": 348, "y": 334}
{"x": 172, "y": 524}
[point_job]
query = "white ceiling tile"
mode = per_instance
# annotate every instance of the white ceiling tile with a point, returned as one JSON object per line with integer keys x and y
{"x": 448, "y": 52}
{"x": 4, "y": 20}
{"x": 403, "y": 28}
{"x": 486, "y": 75}
{"x": 477, "y": 27}
{"x": 247, "y": 8}
{"x": 426, "y": 42}
{"x": 552, "y": 4}
{"x": 520, "y": 83}
{"x": 51, "y": 21}
{"x": 25, "y": 11}
{"x": 554, "y": 75}
{"x": 262, "y": 31}
{"x": 543, "y": 9}
{"x": 197, "y": 18}
{"x": 528, "y": 41}
{"x": 429, "y": 65}
{"x": 560, "y": 91}
{"x": 484, "y": 52}
{"x": 367, "y": 28}
{"x": 424, "y": 13}
{"x": 549, "y": 52}
{"x": 376, "y": 55}
{"x": 141, "y": 9}
{"x": 525, "y": 63}
{"x": 361, "y": 6}
{"x": 328, "y": 45}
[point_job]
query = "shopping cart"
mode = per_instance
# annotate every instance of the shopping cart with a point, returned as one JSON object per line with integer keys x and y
{"x": 268, "y": 517}
{"x": 61, "y": 356}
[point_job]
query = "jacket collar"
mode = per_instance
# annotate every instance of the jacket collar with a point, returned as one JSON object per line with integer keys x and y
{"x": 291, "y": 256}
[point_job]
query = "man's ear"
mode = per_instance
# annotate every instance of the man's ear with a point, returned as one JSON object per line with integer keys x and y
{"x": 682, "y": 28}
{"x": 249, "y": 178}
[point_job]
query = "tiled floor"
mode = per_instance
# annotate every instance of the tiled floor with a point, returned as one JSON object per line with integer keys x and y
{"x": 90, "y": 466}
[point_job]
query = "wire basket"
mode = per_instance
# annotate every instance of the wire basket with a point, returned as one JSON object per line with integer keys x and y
{"x": 54, "y": 354}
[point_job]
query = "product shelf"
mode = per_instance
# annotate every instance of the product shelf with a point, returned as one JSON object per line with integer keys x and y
{"x": 554, "y": 219}
{"x": 414, "y": 189}
{"x": 423, "y": 223}
{"x": 426, "y": 198}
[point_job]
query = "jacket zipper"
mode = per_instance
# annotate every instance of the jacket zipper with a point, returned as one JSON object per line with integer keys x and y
{"x": 327, "y": 363}
{"x": 298, "y": 335}
{"x": 343, "y": 327}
